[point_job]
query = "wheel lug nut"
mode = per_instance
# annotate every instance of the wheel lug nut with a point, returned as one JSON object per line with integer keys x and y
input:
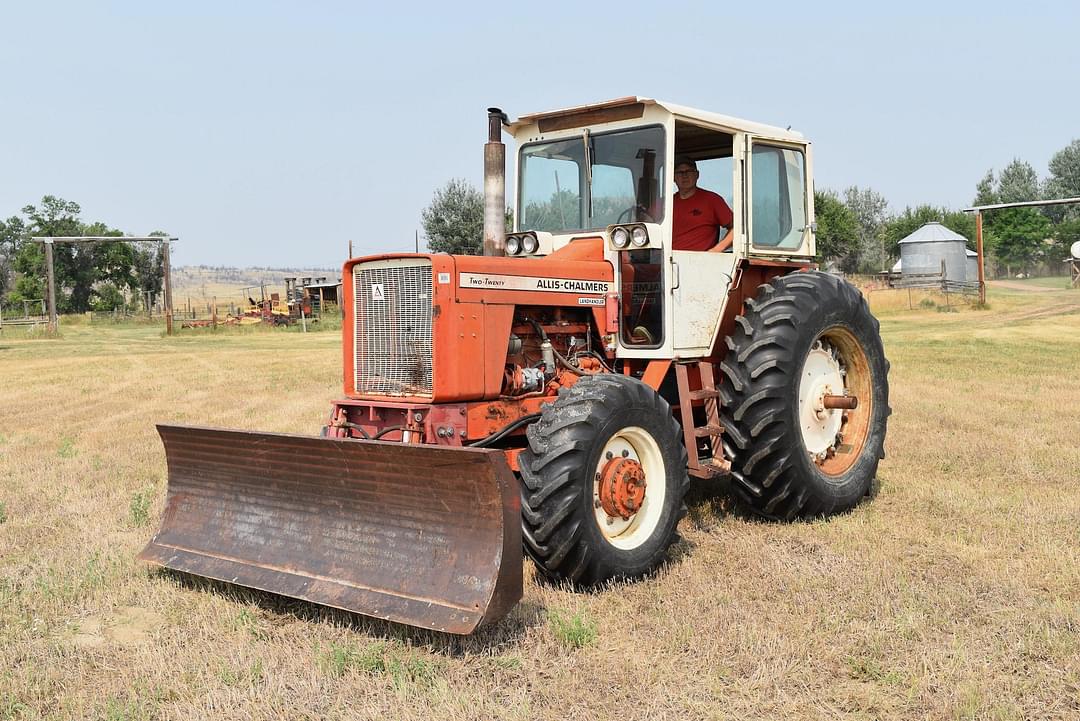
{"x": 625, "y": 453}
{"x": 610, "y": 455}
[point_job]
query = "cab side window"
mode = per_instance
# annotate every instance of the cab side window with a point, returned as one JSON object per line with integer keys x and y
{"x": 778, "y": 209}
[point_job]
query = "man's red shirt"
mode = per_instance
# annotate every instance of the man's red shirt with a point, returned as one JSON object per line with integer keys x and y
{"x": 698, "y": 219}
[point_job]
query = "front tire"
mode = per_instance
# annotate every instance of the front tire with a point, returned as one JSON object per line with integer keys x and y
{"x": 603, "y": 482}
{"x": 805, "y": 338}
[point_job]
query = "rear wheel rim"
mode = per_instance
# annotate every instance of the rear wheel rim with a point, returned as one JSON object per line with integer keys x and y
{"x": 633, "y": 444}
{"x": 835, "y": 365}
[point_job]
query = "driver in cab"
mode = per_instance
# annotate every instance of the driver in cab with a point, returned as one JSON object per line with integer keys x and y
{"x": 702, "y": 219}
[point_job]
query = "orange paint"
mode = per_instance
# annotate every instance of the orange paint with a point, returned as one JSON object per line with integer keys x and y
{"x": 471, "y": 325}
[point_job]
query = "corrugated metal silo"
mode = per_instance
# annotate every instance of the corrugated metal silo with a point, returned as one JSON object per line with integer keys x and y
{"x": 923, "y": 251}
{"x": 972, "y": 265}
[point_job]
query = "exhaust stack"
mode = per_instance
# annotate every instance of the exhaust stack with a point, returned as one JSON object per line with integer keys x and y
{"x": 495, "y": 186}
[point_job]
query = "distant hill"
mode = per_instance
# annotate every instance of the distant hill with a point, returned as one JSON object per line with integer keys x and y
{"x": 201, "y": 283}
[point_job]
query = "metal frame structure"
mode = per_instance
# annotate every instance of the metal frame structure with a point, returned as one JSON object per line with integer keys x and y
{"x": 51, "y": 278}
{"x": 978, "y": 211}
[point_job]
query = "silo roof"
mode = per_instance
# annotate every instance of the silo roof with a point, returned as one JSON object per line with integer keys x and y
{"x": 933, "y": 233}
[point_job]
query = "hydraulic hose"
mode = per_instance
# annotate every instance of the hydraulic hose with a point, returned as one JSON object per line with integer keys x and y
{"x": 505, "y": 430}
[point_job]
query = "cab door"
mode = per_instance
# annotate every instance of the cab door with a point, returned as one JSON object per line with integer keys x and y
{"x": 701, "y": 280}
{"x": 781, "y": 204}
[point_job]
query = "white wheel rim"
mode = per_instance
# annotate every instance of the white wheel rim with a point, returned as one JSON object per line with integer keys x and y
{"x": 822, "y": 374}
{"x": 639, "y": 445}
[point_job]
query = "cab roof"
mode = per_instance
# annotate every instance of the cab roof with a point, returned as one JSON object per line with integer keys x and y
{"x": 619, "y": 109}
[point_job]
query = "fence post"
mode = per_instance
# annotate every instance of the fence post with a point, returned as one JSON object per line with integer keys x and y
{"x": 52, "y": 284}
{"x": 168, "y": 287}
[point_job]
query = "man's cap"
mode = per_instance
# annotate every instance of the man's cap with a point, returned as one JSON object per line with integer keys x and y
{"x": 685, "y": 160}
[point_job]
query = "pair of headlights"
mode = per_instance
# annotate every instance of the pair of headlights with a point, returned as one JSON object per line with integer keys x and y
{"x": 522, "y": 244}
{"x": 623, "y": 236}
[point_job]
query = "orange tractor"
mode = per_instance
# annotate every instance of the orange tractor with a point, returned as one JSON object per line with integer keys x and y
{"x": 558, "y": 393}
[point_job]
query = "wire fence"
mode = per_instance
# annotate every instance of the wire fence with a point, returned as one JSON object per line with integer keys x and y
{"x": 24, "y": 313}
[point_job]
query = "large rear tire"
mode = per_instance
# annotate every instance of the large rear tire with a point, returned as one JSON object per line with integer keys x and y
{"x": 603, "y": 482}
{"x": 804, "y": 338}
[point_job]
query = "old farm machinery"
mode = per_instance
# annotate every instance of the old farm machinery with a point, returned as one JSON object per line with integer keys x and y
{"x": 557, "y": 394}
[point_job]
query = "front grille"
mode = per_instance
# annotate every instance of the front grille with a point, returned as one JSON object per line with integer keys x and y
{"x": 393, "y": 328}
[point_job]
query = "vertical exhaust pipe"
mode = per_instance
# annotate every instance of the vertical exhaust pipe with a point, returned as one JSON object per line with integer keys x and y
{"x": 495, "y": 186}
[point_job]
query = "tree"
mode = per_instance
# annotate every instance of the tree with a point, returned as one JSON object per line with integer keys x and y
{"x": 897, "y": 227}
{"x": 1014, "y": 235}
{"x": 1065, "y": 234}
{"x": 837, "y": 230}
{"x": 870, "y": 209}
{"x": 1018, "y": 236}
{"x": 55, "y": 217}
{"x": 984, "y": 190}
{"x": 1064, "y": 180}
{"x": 1018, "y": 183}
{"x": 454, "y": 221}
{"x": 87, "y": 275}
{"x": 12, "y": 235}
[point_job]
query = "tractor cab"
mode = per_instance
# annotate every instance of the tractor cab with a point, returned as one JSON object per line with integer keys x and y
{"x": 607, "y": 170}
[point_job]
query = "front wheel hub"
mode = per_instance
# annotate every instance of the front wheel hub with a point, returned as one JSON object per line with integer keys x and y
{"x": 621, "y": 487}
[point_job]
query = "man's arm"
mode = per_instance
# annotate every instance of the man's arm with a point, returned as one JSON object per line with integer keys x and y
{"x": 724, "y": 243}
{"x": 725, "y": 222}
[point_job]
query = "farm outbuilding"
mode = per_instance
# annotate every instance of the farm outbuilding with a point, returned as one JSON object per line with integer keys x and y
{"x": 923, "y": 251}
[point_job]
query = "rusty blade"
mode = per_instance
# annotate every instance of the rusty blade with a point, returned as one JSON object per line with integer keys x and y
{"x": 422, "y": 535}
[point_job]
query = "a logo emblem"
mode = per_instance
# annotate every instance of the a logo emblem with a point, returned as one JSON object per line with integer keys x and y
{"x": 377, "y": 291}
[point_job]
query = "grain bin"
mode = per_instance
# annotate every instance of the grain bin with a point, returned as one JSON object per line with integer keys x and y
{"x": 924, "y": 250}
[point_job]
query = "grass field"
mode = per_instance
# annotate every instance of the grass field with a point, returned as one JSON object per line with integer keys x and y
{"x": 952, "y": 593}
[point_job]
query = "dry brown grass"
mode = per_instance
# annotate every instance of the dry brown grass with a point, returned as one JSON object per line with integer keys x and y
{"x": 954, "y": 593}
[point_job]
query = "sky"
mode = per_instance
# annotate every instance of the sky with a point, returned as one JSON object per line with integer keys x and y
{"x": 272, "y": 133}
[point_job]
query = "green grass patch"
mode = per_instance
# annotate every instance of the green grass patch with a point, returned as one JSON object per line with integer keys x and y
{"x": 67, "y": 448}
{"x": 139, "y": 508}
{"x": 248, "y": 622}
{"x": 576, "y": 631}
{"x": 870, "y": 669}
{"x": 130, "y": 708}
{"x": 12, "y": 708}
{"x": 379, "y": 659}
{"x": 249, "y": 675}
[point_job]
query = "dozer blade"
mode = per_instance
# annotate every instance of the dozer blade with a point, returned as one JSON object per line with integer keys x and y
{"x": 423, "y": 535}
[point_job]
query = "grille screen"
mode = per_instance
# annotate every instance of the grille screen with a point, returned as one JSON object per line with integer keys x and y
{"x": 393, "y": 329}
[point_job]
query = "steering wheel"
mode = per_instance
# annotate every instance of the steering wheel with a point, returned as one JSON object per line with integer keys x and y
{"x": 642, "y": 215}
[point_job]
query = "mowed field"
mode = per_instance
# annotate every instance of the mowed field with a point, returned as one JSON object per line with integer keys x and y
{"x": 952, "y": 593}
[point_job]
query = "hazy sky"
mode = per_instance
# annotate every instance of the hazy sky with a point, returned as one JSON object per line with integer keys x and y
{"x": 271, "y": 133}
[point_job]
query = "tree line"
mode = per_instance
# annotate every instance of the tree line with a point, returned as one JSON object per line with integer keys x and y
{"x": 857, "y": 232}
{"x": 89, "y": 276}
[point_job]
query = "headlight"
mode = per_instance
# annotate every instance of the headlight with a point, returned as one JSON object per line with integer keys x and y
{"x": 529, "y": 243}
{"x": 513, "y": 244}
{"x": 620, "y": 238}
{"x": 639, "y": 236}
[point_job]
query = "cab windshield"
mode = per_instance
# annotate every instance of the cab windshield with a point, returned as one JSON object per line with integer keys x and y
{"x": 592, "y": 180}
